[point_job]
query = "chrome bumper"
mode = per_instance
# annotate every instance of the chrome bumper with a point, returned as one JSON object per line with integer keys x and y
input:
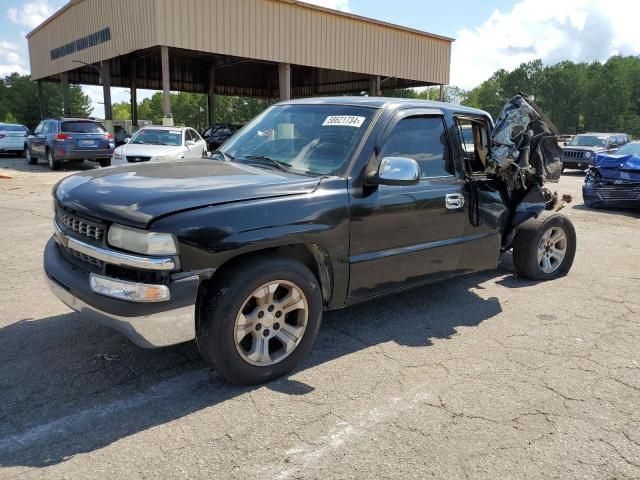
{"x": 149, "y": 331}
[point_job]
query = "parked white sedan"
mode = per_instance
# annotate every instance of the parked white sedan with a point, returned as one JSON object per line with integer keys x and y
{"x": 160, "y": 144}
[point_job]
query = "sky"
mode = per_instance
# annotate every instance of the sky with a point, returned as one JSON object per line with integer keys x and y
{"x": 490, "y": 34}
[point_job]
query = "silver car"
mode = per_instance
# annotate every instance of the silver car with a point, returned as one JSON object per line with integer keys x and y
{"x": 12, "y": 138}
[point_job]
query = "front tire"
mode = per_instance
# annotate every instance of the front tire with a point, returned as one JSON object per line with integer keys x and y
{"x": 53, "y": 163}
{"x": 105, "y": 162}
{"x": 260, "y": 320}
{"x": 545, "y": 247}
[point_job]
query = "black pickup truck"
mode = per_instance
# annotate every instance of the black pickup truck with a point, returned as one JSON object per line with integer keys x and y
{"x": 315, "y": 205}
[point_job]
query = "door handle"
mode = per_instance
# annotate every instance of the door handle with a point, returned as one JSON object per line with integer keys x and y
{"x": 454, "y": 201}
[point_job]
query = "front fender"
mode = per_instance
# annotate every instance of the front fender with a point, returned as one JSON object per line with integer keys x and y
{"x": 211, "y": 236}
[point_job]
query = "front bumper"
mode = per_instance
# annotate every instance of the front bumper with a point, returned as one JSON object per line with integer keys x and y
{"x": 149, "y": 325}
{"x": 581, "y": 164}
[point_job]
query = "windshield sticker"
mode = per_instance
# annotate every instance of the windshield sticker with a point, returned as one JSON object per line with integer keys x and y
{"x": 343, "y": 121}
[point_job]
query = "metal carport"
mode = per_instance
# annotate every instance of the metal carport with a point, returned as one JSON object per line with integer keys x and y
{"x": 266, "y": 48}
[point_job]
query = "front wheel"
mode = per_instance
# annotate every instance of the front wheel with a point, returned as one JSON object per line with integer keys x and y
{"x": 261, "y": 321}
{"x": 545, "y": 247}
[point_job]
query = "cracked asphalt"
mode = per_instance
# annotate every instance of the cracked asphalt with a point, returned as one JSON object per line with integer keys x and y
{"x": 485, "y": 376}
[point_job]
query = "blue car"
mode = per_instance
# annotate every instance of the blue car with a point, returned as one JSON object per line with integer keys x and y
{"x": 60, "y": 140}
{"x": 614, "y": 180}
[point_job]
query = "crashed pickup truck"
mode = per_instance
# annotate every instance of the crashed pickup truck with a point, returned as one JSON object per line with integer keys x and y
{"x": 315, "y": 205}
{"x": 614, "y": 181}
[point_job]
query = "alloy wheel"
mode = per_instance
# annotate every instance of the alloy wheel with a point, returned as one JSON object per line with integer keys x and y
{"x": 271, "y": 323}
{"x": 552, "y": 249}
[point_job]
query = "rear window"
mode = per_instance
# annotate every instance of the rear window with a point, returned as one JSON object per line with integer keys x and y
{"x": 13, "y": 128}
{"x": 82, "y": 127}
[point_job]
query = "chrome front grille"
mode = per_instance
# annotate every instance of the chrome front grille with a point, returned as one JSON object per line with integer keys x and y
{"x": 79, "y": 225}
{"x": 573, "y": 154}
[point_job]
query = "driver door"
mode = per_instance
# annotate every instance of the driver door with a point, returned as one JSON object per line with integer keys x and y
{"x": 407, "y": 235}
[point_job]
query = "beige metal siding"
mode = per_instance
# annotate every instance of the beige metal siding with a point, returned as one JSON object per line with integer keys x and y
{"x": 131, "y": 29}
{"x": 270, "y": 30}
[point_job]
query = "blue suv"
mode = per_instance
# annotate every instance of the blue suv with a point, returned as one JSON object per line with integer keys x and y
{"x": 60, "y": 140}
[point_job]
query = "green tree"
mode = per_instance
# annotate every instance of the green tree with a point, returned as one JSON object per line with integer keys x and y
{"x": 10, "y": 118}
{"x": 19, "y": 95}
{"x": 121, "y": 111}
{"x": 577, "y": 97}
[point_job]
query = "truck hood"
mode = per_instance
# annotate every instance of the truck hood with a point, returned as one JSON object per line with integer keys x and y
{"x": 618, "y": 167}
{"x": 137, "y": 195}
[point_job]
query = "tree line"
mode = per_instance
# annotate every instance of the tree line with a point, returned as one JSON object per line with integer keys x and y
{"x": 19, "y": 101}
{"x": 578, "y": 97}
{"x": 190, "y": 109}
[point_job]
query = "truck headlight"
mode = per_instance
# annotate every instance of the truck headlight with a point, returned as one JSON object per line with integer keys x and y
{"x": 588, "y": 155}
{"x": 141, "y": 241}
{"x": 133, "y": 292}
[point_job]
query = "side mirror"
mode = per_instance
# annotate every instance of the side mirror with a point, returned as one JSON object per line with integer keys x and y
{"x": 396, "y": 171}
{"x": 190, "y": 143}
{"x": 127, "y": 140}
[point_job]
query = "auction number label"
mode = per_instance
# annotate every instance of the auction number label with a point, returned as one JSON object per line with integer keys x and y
{"x": 343, "y": 121}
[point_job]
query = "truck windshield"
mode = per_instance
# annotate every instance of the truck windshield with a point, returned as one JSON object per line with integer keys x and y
{"x": 307, "y": 139}
{"x": 588, "y": 141}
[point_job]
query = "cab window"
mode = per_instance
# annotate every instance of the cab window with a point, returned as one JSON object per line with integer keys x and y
{"x": 423, "y": 139}
{"x": 474, "y": 138}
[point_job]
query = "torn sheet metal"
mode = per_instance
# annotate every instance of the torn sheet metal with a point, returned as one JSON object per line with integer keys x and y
{"x": 525, "y": 151}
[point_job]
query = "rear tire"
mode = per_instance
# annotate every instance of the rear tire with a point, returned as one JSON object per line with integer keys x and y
{"x": 105, "y": 163}
{"x": 53, "y": 163}
{"x": 544, "y": 247}
{"x": 237, "y": 317}
{"x": 31, "y": 160}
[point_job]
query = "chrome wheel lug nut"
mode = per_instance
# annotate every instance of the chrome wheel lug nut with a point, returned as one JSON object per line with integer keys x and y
{"x": 266, "y": 332}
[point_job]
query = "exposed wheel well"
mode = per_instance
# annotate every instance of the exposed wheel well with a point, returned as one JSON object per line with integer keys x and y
{"x": 312, "y": 256}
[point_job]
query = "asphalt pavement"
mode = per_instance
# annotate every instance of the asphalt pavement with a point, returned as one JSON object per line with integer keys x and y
{"x": 485, "y": 376}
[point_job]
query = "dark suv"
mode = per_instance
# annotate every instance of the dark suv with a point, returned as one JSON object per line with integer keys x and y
{"x": 580, "y": 152}
{"x": 60, "y": 140}
{"x": 216, "y": 135}
{"x": 315, "y": 205}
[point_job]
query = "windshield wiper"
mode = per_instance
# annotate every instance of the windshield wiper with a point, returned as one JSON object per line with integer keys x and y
{"x": 284, "y": 166}
{"x": 226, "y": 156}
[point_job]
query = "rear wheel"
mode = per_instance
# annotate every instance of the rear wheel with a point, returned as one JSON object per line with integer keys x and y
{"x": 261, "y": 321}
{"x": 545, "y": 247}
{"x": 105, "y": 162}
{"x": 53, "y": 163}
{"x": 31, "y": 159}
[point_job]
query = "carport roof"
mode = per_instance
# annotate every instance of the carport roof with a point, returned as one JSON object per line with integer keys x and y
{"x": 330, "y": 51}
